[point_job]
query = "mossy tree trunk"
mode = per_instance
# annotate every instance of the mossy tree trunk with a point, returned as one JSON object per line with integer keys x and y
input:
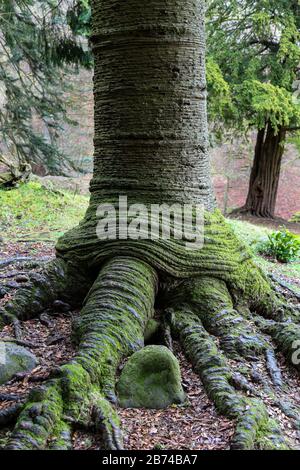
{"x": 265, "y": 172}
{"x": 151, "y": 145}
{"x": 150, "y": 102}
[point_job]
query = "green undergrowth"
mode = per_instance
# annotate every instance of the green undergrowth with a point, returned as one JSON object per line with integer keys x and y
{"x": 254, "y": 236}
{"x": 34, "y": 212}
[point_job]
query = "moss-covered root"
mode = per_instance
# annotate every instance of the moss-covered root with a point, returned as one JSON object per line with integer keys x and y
{"x": 213, "y": 303}
{"x": 111, "y": 326}
{"x": 58, "y": 280}
{"x": 113, "y": 321}
{"x": 286, "y": 336}
{"x": 67, "y": 401}
{"x": 254, "y": 428}
{"x": 40, "y": 416}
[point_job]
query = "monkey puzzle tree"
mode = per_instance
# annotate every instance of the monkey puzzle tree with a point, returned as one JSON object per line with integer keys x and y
{"x": 151, "y": 146}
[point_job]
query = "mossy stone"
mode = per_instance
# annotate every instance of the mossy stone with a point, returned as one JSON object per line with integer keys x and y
{"x": 14, "y": 359}
{"x": 151, "y": 379}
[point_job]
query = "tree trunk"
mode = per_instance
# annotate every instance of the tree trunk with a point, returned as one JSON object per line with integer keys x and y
{"x": 264, "y": 178}
{"x": 151, "y": 138}
{"x": 151, "y": 134}
{"x": 151, "y": 145}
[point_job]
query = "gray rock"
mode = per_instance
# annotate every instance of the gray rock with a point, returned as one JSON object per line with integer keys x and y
{"x": 14, "y": 359}
{"x": 150, "y": 379}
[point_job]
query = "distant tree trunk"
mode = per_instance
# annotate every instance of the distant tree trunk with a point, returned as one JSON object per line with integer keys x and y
{"x": 264, "y": 178}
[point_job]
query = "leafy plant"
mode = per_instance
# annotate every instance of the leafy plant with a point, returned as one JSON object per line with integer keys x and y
{"x": 282, "y": 245}
{"x": 296, "y": 217}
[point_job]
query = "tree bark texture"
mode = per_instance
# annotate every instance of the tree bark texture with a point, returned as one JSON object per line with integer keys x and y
{"x": 151, "y": 139}
{"x": 265, "y": 173}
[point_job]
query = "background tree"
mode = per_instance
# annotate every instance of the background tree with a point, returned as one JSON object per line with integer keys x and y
{"x": 255, "y": 44}
{"x": 37, "y": 49}
{"x": 151, "y": 145}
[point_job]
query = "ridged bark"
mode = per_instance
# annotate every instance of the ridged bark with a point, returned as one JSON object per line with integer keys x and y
{"x": 151, "y": 139}
{"x": 265, "y": 172}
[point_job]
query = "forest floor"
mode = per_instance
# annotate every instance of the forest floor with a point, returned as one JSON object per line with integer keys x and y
{"x": 32, "y": 218}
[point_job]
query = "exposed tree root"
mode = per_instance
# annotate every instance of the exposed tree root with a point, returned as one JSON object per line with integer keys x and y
{"x": 9, "y": 416}
{"x": 284, "y": 286}
{"x": 19, "y": 342}
{"x": 286, "y": 336}
{"x": 253, "y": 428}
{"x": 111, "y": 326}
{"x": 17, "y": 329}
{"x": 57, "y": 280}
{"x": 211, "y": 320}
{"x": 291, "y": 412}
{"x": 28, "y": 261}
{"x": 273, "y": 368}
{"x": 221, "y": 307}
{"x": 9, "y": 397}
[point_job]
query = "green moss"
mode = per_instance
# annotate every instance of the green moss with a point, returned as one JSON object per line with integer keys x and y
{"x": 269, "y": 437}
{"x": 39, "y": 418}
{"x": 150, "y": 379}
{"x": 33, "y": 210}
{"x": 107, "y": 421}
{"x": 85, "y": 404}
{"x": 76, "y": 388}
{"x": 61, "y": 438}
